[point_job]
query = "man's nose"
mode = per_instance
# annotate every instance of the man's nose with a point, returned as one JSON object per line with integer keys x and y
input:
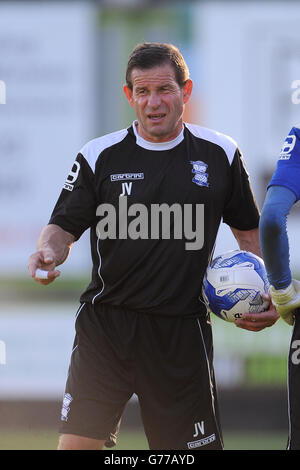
{"x": 154, "y": 100}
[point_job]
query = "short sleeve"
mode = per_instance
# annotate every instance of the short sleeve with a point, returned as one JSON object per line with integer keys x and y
{"x": 75, "y": 210}
{"x": 241, "y": 210}
{"x": 287, "y": 172}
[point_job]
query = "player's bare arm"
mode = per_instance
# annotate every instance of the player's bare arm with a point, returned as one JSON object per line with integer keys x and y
{"x": 53, "y": 247}
{"x": 248, "y": 240}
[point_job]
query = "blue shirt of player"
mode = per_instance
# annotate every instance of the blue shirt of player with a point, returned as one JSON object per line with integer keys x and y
{"x": 283, "y": 192}
{"x": 287, "y": 173}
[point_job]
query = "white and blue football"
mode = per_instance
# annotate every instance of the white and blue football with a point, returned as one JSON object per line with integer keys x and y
{"x": 234, "y": 283}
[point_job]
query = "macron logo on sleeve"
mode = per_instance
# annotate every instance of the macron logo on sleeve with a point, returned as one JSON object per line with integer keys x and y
{"x": 72, "y": 177}
{"x": 287, "y": 147}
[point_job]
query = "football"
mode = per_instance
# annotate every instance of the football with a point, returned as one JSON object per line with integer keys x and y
{"x": 234, "y": 283}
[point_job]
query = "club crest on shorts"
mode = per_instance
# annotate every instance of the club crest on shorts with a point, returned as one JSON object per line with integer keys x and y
{"x": 66, "y": 407}
{"x": 200, "y": 173}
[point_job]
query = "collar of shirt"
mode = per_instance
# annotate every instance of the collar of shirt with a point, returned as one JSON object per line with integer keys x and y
{"x": 157, "y": 145}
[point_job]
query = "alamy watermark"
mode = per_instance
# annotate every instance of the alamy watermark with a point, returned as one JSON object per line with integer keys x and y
{"x": 295, "y": 356}
{"x": 2, "y": 92}
{"x": 2, "y": 353}
{"x": 295, "y": 97}
{"x": 160, "y": 221}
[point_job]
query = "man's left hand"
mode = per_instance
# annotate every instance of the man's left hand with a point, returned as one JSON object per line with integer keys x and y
{"x": 258, "y": 321}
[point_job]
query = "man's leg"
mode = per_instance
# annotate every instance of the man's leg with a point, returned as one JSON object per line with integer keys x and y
{"x": 73, "y": 442}
{"x": 175, "y": 383}
{"x": 100, "y": 379}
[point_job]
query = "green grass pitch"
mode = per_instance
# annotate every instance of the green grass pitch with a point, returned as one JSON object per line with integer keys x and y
{"x": 135, "y": 440}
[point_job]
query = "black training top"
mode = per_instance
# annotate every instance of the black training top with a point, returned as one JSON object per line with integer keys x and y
{"x": 145, "y": 263}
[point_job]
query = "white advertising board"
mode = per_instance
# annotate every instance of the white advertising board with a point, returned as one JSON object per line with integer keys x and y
{"x": 47, "y": 57}
{"x": 250, "y": 62}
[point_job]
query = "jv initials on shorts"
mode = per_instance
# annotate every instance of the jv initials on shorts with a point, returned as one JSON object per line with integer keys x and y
{"x": 199, "y": 427}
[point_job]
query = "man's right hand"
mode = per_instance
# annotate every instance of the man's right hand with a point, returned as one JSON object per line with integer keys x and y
{"x": 43, "y": 259}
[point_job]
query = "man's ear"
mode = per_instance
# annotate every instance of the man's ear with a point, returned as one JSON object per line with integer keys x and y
{"x": 187, "y": 90}
{"x": 128, "y": 93}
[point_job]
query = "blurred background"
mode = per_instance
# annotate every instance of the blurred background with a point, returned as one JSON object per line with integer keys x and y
{"x": 63, "y": 64}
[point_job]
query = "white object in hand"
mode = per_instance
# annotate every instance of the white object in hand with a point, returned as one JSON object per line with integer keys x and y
{"x": 41, "y": 274}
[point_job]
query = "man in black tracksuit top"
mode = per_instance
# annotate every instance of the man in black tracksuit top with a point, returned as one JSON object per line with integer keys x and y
{"x": 153, "y": 196}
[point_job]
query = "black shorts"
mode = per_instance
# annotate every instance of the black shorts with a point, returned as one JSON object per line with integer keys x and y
{"x": 165, "y": 361}
{"x": 294, "y": 387}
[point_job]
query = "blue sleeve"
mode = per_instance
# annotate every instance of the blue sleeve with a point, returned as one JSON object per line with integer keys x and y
{"x": 287, "y": 172}
{"x": 273, "y": 235}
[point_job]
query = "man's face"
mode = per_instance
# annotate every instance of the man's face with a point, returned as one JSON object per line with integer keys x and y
{"x": 158, "y": 102}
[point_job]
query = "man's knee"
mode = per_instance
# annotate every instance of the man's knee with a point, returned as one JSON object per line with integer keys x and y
{"x": 73, "y": 442}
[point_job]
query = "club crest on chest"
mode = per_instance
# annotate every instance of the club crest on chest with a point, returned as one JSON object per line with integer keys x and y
{"x": 199, "y": 171}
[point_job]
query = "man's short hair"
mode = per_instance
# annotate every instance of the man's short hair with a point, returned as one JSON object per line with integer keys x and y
{"x": 152, "y": 54}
